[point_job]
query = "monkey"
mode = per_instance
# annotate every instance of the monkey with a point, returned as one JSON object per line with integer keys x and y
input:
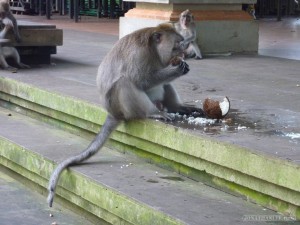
{"x": 9, "y": 51}
{"x": 138, "y": 66}
{"x": 249, "y": 8}
{"x": 187, "y": 28}
{"x": 6, "y": 13}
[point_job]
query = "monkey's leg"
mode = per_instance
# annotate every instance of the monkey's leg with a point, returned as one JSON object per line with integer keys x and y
{"x": 171, "y": 99}
{"x": 15, "y": 55}
{"x": 135, "y": 103}
{"x": 173, "y": 103}
{"x": 194, "y": 49}
{"x": 3, "y": 62}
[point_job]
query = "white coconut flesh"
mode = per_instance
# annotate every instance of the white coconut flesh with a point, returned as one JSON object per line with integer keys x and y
{"x": 225, "y": 106}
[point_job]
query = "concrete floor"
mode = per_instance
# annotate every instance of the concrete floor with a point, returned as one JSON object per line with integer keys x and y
{"x": 276, "y": 38}
{"x": 280, "y": 38}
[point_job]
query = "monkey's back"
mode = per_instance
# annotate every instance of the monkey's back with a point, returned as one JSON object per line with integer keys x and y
{"x": 130, "y": 66}
{"x": 127, "y": 59}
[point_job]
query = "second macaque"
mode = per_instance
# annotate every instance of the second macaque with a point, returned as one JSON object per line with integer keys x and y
{"x": 186, "y": 27}
{"x": 8, "y": 51}
{"x": 5, "y": 13}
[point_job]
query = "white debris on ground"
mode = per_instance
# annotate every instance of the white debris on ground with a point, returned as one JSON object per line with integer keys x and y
{"x": 241, "y": 127}
{"x": 193, "y": 120}
{"x": 200, "y": 121}
{"x": 293, "y": 135}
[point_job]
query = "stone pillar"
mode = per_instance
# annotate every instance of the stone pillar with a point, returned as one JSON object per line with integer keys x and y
{"x": 222, "y": 26}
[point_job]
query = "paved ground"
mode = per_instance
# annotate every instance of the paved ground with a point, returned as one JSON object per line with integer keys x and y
{"x": 280, "y": 39}
{"x": 264, "y": 90}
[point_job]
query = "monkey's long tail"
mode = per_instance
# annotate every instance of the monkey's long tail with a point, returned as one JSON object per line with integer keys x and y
{"x": 107, "y": 128}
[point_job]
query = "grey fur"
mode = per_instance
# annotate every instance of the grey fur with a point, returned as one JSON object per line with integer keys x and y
{"x": 6, "y": 13}
{"x": 139, "y": 65}
{"x": 187, "y": 28}
{"x": 9, "y": 51}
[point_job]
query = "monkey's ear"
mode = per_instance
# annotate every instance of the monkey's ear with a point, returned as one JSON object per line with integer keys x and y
{"x": 157, "y": 37}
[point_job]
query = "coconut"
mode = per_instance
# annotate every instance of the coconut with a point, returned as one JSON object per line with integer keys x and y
{"x": 215, "y": 109}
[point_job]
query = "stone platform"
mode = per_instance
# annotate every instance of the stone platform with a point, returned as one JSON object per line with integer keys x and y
{"x": 221, "y": 26}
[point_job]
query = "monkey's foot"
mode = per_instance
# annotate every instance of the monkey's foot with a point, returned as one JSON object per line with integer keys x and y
{"x": 11, "y": 69}
{"x": 161, "y": 116}
{"x": 24, "y": 66}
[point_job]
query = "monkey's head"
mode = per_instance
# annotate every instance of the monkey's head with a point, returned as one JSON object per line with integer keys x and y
{"x": 4, "y": 8}
{"x": 186, "y": 18}
{"x": 167, "y": 42}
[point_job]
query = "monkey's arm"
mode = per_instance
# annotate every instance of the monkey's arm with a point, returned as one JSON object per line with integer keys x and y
{"x": 188, "y": 38}
{"x": 3, "y": 33}
{"x": 191, "y": 37}
{"x": 11, "y": 17}
{"x": 176, "y": 68}
{"x": 7, "y": 25}
{"x": 191, "y": 111}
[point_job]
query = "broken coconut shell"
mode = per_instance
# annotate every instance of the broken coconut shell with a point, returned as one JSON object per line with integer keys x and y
{"x": 215, "y": 109}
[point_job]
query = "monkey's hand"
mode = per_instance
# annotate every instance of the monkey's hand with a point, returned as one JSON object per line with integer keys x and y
{"x": 175, "y": 61}
{"x": 8, "y": 23}
{"x": 182, "y": 65}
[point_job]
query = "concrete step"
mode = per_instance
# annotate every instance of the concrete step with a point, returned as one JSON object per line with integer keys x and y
{"x": 267, "y": 180}
{"x": 118, "y": 188}
{"x": 22, "y": 205}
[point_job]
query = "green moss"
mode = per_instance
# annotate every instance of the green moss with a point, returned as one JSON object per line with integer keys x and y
{"x": 261, "y": 199}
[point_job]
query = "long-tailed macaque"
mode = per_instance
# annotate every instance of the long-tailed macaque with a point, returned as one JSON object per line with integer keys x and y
{"x": 187, "y": 28}
{"x": 6, "y": 13}
{"x": 132, "y": 78}
{"x": 9, "y": 51}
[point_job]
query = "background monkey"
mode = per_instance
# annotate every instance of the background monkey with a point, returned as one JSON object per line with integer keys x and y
{"x": 132, "y": 77}
{"x": 6, "y": 13}
{"x": 8, "y": 51}
{"x": 187, "y": 28}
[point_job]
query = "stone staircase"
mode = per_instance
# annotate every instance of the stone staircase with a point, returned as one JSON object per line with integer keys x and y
{"x": 121, "y": 188}
{"x": 115, "y": 187}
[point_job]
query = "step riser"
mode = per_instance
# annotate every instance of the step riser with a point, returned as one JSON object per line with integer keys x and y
{"x": 183, "y": 156}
